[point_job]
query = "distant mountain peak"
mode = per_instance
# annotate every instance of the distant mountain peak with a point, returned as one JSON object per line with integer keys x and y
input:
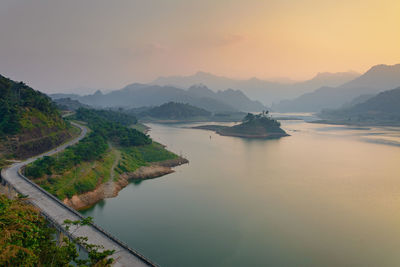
{"x": 198, "y": 86}
{"x": 265, "y": 91}
{"x": 377, "y": 79}
{"x": 384, "y": 68}
{"x": 202, "y": 74}
{"x": 381, "y": 76}
{"x": 329, "y": 75}
{"x": 98, "y": 92}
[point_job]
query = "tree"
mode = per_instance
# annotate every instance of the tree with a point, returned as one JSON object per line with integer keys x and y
{"x": 27, "y": 240}
{"x": 248, "y": 117}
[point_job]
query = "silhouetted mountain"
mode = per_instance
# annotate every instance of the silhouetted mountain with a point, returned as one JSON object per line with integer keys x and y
{"x": 138, "y": 95}
{"x": 69, "y": 104}
{"x": 235, "y": 98}
{"x": 383, "y": 108}
{"x": 265, "y": 91}
{"x": 357, "y": 100}
{"x": 175, "y": 111}
{"x": 379, "y": 78}
{"x": 61, "y": 95}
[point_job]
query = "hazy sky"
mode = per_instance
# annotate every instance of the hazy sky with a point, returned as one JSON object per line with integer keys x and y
{"x": 57, "y": 45}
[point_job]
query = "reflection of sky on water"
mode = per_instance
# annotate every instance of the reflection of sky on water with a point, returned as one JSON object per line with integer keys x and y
{"x": 377, "y": 135}
{"x": 324, "y": 196}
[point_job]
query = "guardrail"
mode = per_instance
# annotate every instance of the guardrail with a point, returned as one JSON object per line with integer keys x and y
{"x": 76, "y": 213}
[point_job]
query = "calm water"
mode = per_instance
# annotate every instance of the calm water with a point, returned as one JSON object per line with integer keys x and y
{"x": 325, "y": 196}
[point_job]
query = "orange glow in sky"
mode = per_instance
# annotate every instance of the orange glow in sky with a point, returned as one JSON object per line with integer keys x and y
{"x": 117, "y": 42}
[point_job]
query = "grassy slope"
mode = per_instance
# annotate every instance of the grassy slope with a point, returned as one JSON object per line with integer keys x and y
{"x": 87, "y": 176}
{"x": 135, "y": 157}
{"x": 110, "y": 149}
{"x": 79, "y": 179}
{"x": 140, "y": 127}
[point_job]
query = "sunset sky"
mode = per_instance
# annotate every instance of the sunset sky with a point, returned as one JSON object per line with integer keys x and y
{"x": 56, "y": 45}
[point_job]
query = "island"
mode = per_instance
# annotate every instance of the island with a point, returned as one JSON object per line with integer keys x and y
{"x": 252, "y": 126}
{"x": 181, "y": 112}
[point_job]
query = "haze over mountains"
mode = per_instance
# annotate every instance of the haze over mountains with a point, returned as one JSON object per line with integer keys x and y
{"x": 139, "y": 95}
{"x": 337, "y": 90}
{"x": 377, "y": 79}
{"x": 267, "y": 92}
{"x": 382, "y": 109}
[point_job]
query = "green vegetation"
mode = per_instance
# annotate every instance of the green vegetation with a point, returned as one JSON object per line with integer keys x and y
{"x": 252, "y": 126}
{"x": 29, "y": 121}
{"x": 27, "y": 240}
{"x": 135, "y": 157}
{"x": 68, "y": 104}
{"x": 140, "y": 127}
{"x": 255, "y": 126}
{"x": 89, "y": 148}
{"x": 19, "y": 104}
{"x": 78, "y": 169}
{"x": 86, "y": 165}
{"x": 155, "y": 152}
{"x": 3, "y": 162}
{"x": 176, "y": 111}
{"x": 106, "y": 115}
{"x": 112, "y": 125}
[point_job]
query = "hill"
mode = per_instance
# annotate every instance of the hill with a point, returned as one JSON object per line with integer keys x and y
{"x": 267, "y": 92}
{"x": 105, "y": 159}
{"x": 69, "y": 104}
{"x": 30, "y": 123}
{"x": 382, "y": 109}
{"x": 175, "y": 111}
{"x": 139, "y": 95}
{"x": 252, "y": 126}
{"x": 377, "y": 79}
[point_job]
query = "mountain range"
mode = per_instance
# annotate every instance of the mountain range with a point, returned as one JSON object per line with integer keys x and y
{"x": 382, "y": 109}
{"x": 267, "y": 92}
{"x": 377, "y": 79}
{"x": 139, "y": 95}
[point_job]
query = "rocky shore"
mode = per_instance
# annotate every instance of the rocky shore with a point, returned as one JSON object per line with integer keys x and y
{"x": 111, "y": 188}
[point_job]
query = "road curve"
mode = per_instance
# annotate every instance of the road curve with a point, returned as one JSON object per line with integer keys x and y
{"x": 55, "y": 211}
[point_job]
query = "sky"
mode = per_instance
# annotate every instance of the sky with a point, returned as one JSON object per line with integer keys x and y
{"x": 59, "y": 45}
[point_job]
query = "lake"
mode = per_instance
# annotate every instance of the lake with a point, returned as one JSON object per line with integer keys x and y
{"x": 324, "y": 196}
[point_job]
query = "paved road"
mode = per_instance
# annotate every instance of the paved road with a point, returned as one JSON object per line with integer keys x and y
{"x": 57, "y": 212}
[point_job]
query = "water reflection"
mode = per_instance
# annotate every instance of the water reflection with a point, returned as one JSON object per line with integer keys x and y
{"x": 325, "y": 196}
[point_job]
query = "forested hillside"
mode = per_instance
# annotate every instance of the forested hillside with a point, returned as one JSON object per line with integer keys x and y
{"x": 29, "y": 121}
{"x": 111, "y": 149}
{"x": 176, "y": 111}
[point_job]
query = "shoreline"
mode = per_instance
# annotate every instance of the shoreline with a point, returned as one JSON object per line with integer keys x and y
{"x": 359, "y": 124}
{"x": 111, "y": 189}
{"x": 219, "y": 130}
{"x": 266, "y": 136}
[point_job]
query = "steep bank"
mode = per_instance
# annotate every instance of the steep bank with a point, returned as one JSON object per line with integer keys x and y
{"x": 154, "y": 170}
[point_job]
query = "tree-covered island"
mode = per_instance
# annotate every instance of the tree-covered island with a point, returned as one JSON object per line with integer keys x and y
{"x": 252, "y": 126}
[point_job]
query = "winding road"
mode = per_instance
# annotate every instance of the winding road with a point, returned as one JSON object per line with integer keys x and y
{"x": 57, "y": 212}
